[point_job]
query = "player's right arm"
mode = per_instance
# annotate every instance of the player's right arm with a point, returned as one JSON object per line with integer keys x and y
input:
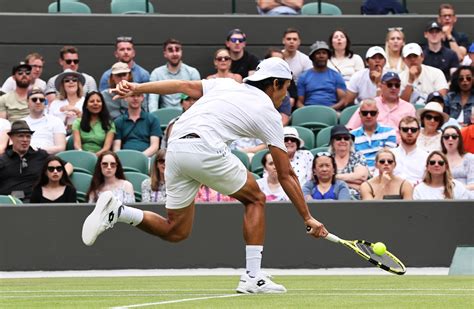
{"x": 192, "y": 88}
{"x": 289, "y": 182}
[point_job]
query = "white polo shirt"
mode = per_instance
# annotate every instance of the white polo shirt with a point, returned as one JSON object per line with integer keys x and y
{"x": 361, "y": 84}
{"x": 410, "y": 166}
{"x": 45, "y": 128}
{"x": 430, "y": 79}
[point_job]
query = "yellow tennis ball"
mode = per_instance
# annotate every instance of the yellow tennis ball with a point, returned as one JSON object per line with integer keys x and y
{"x": 379, "y": 248}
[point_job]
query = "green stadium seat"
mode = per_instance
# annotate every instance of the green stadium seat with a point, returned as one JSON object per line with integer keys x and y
{"x": 306, "y": 135}
{"x": 83, "y": 161}
{"x": 133, "y": 161}
{"x": 419, "y": 106}
{"x": 166, "y": 114}
{"x": 256, "y": 176}
{"x": 81, "y": 182}
{"x": 243, "y": 157}
{"x": 131, "y": 7}
{"x": 314, "y": 151}
{"x": 9, "y": 200}
{"x": 256, "y": 166}
{"x": 324, "y": 137}
{"x": 136, "y": 179}
{"x": 347, "y": 113}
{"x": 326, "y": 9}
{"x": 314, "y": 117}
{"x": 69, "y": 6}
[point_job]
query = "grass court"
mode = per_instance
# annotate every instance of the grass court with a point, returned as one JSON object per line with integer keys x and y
{"x": 387, "y": 291}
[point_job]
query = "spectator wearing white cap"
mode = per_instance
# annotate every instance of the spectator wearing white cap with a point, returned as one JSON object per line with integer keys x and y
{"x": 364, "y": 84}
{"x": 119, "y": 71}
{"x": 420, "y": 79}
{"x": 301, "y": 160}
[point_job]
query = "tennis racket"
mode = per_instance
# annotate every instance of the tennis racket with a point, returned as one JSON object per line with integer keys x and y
{"x": 386, "y": 261}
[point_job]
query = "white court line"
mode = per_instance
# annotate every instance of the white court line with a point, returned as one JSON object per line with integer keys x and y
{"x": 177, "y": 301}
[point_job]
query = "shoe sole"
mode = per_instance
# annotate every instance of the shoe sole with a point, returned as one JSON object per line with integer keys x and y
{"x": 94, "y": 219}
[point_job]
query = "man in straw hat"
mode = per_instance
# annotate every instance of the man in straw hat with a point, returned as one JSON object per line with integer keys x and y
{"x": 198, "y": 154}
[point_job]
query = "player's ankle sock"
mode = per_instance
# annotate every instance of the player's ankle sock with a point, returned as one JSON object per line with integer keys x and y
{"x": 254, "y": 259}
{"x": 130, "y": 215}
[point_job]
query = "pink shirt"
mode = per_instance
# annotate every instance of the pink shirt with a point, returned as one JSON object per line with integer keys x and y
{"x": 386, "y": 116}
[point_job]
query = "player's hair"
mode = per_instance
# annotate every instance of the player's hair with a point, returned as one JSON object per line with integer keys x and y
{"x": 334, "y": 166}
{"x": 270, "y": 51}
{"x": 455, "y": 79}
{"x": 408, "y": 119}
{"x": 291, "y": 30}
{"x": 447, "y": 177}
{"x": 43, "y": 180}
{"x": 68, "y": 49}
{"x": 154, "y": 172}
{"x": 171, "y": 41}
{"x": 347, "y": 52}
{"x": 98, "y": 178}
{"x": 385, "y": 150}
{"x": 446, "y": 6}
{"x": 267, "y": 82}
{"x": 104, "y": 115}
{"x": 460, "y": 147}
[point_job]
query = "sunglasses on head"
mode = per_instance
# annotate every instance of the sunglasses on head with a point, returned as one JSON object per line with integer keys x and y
{"x": 466, "y": 78}
{"x": 342, "y": 137}
{"x": 383, "y": 161}
{"x": 70, "y": 80}
{"x": 430, "y": 117}
{"x": 323, "y": 154}
{"x": 448, "y": 136}
{"x": 433, "y": 162}
{"x": 23, "y": 72}
{"x": 224, "y": 58}
{"x": 124, "y": 39}
{"x": 235, "y": 40}
{"x": 36, "y": 100}
{"x": 407, "y": 129}
{"x": 395, "y": 28}
{"x": 107, "y": 164}
{"x": 69, "y": 61}
{"x": 393, "y": 85}
{"x": 371, "y": 113}
{"x": 58, "y": 168}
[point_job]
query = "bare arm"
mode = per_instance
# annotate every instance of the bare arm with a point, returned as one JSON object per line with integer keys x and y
{"x": 77, "y": 139}
{"x": 349, "y": 97}
{"x": 407, "y": 191}
{"x": 300, "y": 102}
{"x": 365, "y": 192}
{"x": 154, "y": 145}
{"x": 59, "y": 144}
{"x": 69, "y": 168}
{"x": 341, "y": 94}
{"x": 117, "y": 145}
{"x": 358, "y": 176}
{"x": 109, "y": 138}
{"x": 193, "y": 88}
{"x": 291, "y": 186}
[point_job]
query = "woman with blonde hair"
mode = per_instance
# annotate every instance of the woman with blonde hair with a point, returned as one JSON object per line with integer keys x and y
{"x": 222, "y": 63}
{"x": 394, "y": 42}
{"x": 153, "y": 189}
{"x": 438, "y": 183}
{"x": 386, "y": 186}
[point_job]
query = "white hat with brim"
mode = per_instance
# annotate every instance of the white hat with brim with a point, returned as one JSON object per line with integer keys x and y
{"x": 411, "y": 49}
{"x": 271, "y": 67}
{"x": 293, "y": 133}
{"x": 66, "y": 73}
{"x": 374, "y": 50}
{"x": 434, "y": 107}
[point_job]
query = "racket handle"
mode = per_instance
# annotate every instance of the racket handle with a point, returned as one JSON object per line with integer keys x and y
{"x": 333, "y": 238}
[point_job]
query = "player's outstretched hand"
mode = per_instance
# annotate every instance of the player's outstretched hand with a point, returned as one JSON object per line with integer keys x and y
{"x": 316, "y": 228}
{"x": 123, "y": 89}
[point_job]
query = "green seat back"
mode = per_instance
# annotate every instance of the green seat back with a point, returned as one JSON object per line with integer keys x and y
{"x": 256, "y": 163}
{"x": 69, "y": 6}
{"x": 323, "y": 138}
{"x": 326, "y": 9}
{"x": 243, "y": 157}
{"x": 314, "y": 117}
{"x": 314, "y": 151}
{"x": 306, "y": 135}
{"x": 347, "y": 113}
{"x": 83, "y": 161}
{"x": 9, "y": 200}
{"x": 165, "y": 115}
{"x": 131, "y": 7}
{"x": 136, "y": 179}
{"x": 81, "y": 182}
{"x": 133, "y": 160}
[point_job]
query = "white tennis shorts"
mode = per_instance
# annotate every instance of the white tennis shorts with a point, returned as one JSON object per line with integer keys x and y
{"x": 190, "y": 162}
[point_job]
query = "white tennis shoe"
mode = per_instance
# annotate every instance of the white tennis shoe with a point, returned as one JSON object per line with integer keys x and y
{"x": 261, "y": 283}
{"x": 103, "y": 217}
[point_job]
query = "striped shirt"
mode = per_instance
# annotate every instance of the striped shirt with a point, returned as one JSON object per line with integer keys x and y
{"x": 369, "y": 145}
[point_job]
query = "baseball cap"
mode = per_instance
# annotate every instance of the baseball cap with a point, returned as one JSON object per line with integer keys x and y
{"x": 471, "y": 48}
{"x": 21, "y": 65}
{"x": 374, "y": 50}
{"x": 389, "y": 76}
{"x": 433, "y": 25}
{"x": 435, "y": 96}
{"x": 411, "y": 48}
{"x": 271, "y": 67}
{"x": 317, "y": 46}
{"x": 120, "y": 67}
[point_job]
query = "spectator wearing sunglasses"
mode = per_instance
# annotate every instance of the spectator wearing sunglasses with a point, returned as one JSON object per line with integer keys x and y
{"x": 125, "y": 52}
{"x": 386, "y": 186}
{"x": 20, "y": 165}
{"x": 351, "y": 165}
{"x": 391, "y": 108}
{"x": 432, "y": 119}
{"x": 50, "y": 133}
{"x": 300, "y": 159}
{"x": 462, "y": 163}
{"x": 54, "y": 185}
{"x": 69, "y": 60}
{"x": 372, "y": 136}
{"x": 419, "y": 79}
{"x": 14, "y": 105}
{"x": 438, "y": 182}
{"x": 460, "y": 100}
{"x": 407, "y": 155}
{"x": 37, "y": 62}
{"x": 324, "y": 185}
{"x": 243, "y": 62}
{"x": 173, "y": 69}
{"x": 222, "y": 63}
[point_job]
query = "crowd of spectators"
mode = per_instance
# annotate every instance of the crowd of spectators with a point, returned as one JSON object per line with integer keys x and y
{"x": 411, "y": 133}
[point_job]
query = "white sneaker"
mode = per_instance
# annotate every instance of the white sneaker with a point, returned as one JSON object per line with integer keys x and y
{"x": 103, "y": 217}
{"x": 262, "y": 283}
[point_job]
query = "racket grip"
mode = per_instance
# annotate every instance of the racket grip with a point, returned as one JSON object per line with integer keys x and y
{"x": 333, "y": 238}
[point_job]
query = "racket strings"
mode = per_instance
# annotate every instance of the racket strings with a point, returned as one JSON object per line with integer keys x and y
{"x": 386, "y": 259}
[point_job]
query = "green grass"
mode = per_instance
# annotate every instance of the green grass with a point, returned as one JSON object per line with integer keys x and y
{"x": 303, "y": 292}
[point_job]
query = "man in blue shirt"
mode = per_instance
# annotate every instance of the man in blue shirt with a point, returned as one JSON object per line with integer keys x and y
{"x": 125, "y": 52}
{"x": 371, "y": 136}
{"x": 137, "y": 129}
{"x": 321, "y": 85}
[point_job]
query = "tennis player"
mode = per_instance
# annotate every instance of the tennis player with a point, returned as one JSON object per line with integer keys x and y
{"x": 198, "y": 154}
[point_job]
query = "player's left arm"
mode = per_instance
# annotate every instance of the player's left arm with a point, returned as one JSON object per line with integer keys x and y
{"x": 289, "y": 182}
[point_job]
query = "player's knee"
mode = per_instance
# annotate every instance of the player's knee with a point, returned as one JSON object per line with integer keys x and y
{"x": 177, "y": 236}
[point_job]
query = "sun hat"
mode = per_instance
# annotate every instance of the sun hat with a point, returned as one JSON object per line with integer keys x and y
{"x": 293, "y": 133}
{"x": 66, "y": 73}
{"x": 271, "y": 67}
{"x": 340, "y": 130}
{"x": 432, "y": 107}
{"x": 120, "y": 67}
